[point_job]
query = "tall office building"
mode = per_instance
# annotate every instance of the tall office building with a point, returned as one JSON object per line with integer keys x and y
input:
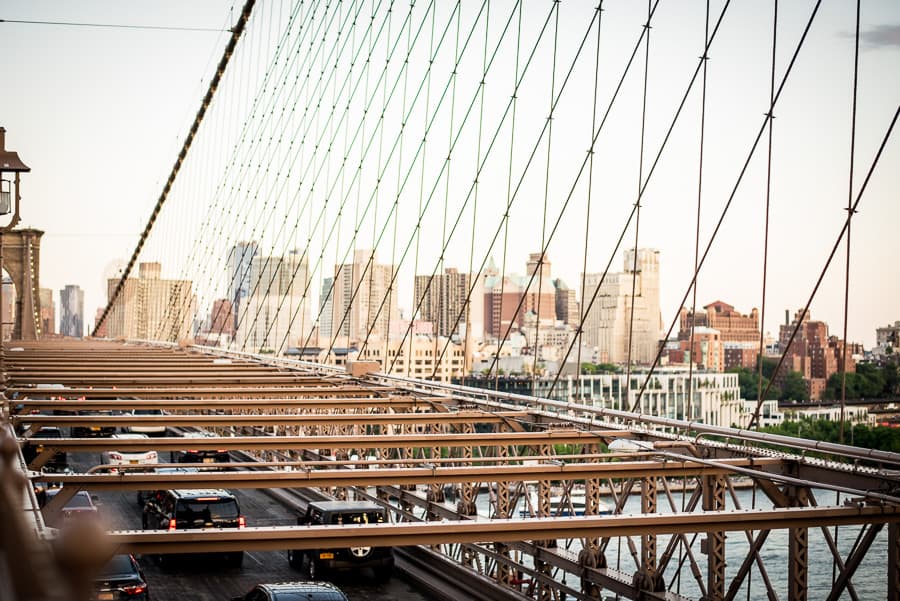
{"x": 48, "y": 312}
{"x": 240, "y": 283}
{"x": 151, "y": 308}
{"x": 608, "y": 325}
{"x": 567, "y": 310}
{"x": 71, "y": 311}
{"x": 274, "y": 315}
{"x": 360, "y": 304}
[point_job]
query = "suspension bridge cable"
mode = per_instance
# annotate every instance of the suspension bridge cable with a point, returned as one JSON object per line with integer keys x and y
{"x": 213, "y": 86}
{"x": 688, "y": 405}
{"x": 765, "y": 265}
{"x": 849, "y": 216}
{"x": 844, "y": 229}
{"x": 743, "y": 171}
{"x": 637, "y": 209}
{"x": 624, "y": 229}
{"x": 587, "y": 206}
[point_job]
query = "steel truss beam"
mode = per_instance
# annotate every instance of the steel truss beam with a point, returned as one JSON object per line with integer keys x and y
{"x": 476, "y": 531}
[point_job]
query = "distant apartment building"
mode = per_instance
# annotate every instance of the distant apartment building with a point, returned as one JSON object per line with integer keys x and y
{"x": 705, "y": 349}
{"x": 101, "y": 329}
{"x": 739, "y": 334}
{"x": 48, "y": 312}
{"x": 71, "y": 311}
{"x": 445, "y": 301}
{"x": 715, "y": 398}
{"x": 150, "y": 307}
{"x": 509, "y": 298}
{"x": 887, "y": 337}
{"x": 358, "y": 304}
{"x": 274, "y": 316}
{"x": 812, "y": 353}
{"x": 624, "y": 319}
{"x": 567, "y": 308}
{"x": 421, "y": 357}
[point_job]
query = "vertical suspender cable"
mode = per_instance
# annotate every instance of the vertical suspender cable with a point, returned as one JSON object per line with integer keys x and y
{"x": 849, "y": 216}
{"x": 770, "y": 116}
{"x": 688, "y": 409}
{"x": 637, "y": 211}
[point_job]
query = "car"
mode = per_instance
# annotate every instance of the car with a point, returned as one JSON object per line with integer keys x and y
{"x": 93, "y": 431}
{"x": 142, "y": 495}
{"x": 129, "y": 457}
{"x": 194, "y": 509}
{"x": 201, "y": 455}
{"x": 33, "y": 448}
{"x": 294, "y": 591}
{"x": 80, "y": 505}
{"x": 152, "y": 429}
{"x": 319, "y": 562}
{"x": 120, "y": 579}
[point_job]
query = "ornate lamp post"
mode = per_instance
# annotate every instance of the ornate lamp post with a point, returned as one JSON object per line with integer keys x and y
{"x": 10, "y": 197}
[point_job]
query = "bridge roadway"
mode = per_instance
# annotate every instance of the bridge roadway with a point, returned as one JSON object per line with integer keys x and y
{"x": 207, "y": 580}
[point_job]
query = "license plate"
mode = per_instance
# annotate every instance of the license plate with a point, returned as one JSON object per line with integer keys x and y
{"x": 209, "y": 460}
{"x": 134, "y": 461}
{"x": 97, "y": 429}
{"x": 105, "y": 597}
{"x": 326, "y": 555}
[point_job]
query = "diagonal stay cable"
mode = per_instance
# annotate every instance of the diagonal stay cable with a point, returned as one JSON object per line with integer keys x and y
{"x": 734, "y": 190}
{"x": 837, "y": 243}
{"x": 236, "y": 32}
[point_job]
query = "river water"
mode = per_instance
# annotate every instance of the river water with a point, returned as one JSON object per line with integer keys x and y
{"x": 869, "y": 581}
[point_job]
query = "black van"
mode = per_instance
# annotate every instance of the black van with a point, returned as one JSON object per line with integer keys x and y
{"x": 321, "y": 561}
{"x": 194, "y": 509}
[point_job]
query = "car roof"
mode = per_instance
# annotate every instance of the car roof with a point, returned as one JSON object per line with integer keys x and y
{"x": 346, "y": 506}
{"x": 189, "y": 493}
{"x": 130, "y": 435}
{"x": 331, "y": 592}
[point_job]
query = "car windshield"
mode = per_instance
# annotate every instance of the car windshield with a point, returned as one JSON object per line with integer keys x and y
{"x": 148, "y": 412}
{"x": 119, "y": 564}
{"x": 47, "y": 433}
{"x": 217, "y": 509}
{"x": 80, "y": 500}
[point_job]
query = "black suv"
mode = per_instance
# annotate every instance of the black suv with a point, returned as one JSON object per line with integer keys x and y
{"x": 193, "y": 509}
{"x": 321, "y": 561}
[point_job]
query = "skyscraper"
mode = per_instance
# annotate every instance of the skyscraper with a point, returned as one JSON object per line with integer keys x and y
{"x": 444, "y": 301}
{"x": 240, "y": 284}
{"x": 608, "y": 324}
{"x": 274, "y": 315}
{"x": 151, "y": 308}
{"x": 71, "y": 311}
{"x": 361, "y": 306}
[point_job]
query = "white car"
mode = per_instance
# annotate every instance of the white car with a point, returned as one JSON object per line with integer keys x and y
{"x": 148, "y": 428}
{"x": 130, "y": 457}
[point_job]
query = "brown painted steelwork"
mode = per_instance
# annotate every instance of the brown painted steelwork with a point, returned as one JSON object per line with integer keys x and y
{"x": 469, "y": 531}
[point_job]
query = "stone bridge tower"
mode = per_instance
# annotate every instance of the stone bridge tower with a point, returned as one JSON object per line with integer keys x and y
{"x": 21, "y": 257}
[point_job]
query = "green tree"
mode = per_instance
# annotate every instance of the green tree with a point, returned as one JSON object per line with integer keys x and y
{"x": 748, "y": 380}
{"x": 793, "y": 388}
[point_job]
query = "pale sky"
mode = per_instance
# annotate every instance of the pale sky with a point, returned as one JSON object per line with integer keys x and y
{"x": 99, "y": 115}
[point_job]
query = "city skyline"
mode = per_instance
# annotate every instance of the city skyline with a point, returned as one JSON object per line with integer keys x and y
{"x": 130, "y": 115}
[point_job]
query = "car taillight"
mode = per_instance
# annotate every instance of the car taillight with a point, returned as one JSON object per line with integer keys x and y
{"x": 116, "y": 456}
{"x": 136, "y": 589}
{"x": 151, "y": 455}
{"x": 192, "y": 451}
{"x": 242, "y": 522}
{"x": 171, "y": 524}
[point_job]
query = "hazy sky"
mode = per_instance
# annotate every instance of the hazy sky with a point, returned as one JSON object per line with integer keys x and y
{"x": 99, "y": 115}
